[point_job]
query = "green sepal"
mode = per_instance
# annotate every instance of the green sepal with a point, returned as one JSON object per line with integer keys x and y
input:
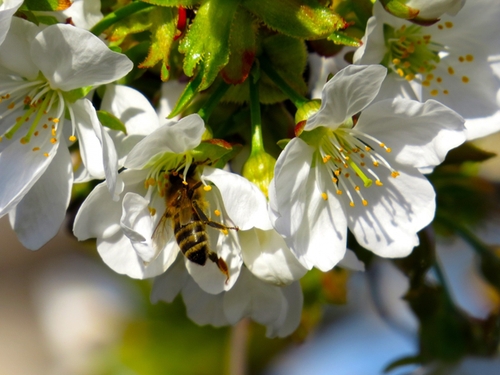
{"x": 304, "y": 19}
{"x": 283, "y": 142}
{"x": 206, "y": 44}
{"x": 110, "y": 121}
{"x": 173, "y": 3}
{"x": 341, "y": 38}
{"x": 467, "y": 152}
{"x": 314, "y": 137}
{"x": 163, "y": 30}
{"x": 399, "y": 9}
{"x": 242, "y": 41}
{"x": 73, "y": 95}
{"x": 410, "y": 360}
{"x": 211, "y": 150}
{"x": 46, "y": 5}
{"x": 47, "y": 20}
{"x": 288, "y": 57}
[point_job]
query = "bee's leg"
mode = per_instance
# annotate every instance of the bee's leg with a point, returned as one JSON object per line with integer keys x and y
{"x": 221, "y": 264}
{"x": 209, "y": 222}
{"x": 193, "y": 188}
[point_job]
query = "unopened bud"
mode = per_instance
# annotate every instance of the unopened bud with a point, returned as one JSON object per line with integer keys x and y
{"x": 424, "y": 12}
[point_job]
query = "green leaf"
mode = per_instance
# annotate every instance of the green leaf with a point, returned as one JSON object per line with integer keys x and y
{"x": 111, "y": 121}
{"x": 133, "y": 24}
{"x": 47, "y": 5}
{"x": 305, "y": 19}
{"x": 211, "y": 150}
{"x": 243, "y": 46}
{"x": 467, "y": 152}
{"x": 411, "y": 360}
{"x": 73, "y": 95}
{"x": 163, "y": 30}
{"x": 190, "y": 91}
{"x": 206, "y": 44}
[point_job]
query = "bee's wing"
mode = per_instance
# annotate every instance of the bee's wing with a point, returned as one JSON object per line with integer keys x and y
{"x": 162, "y": 234}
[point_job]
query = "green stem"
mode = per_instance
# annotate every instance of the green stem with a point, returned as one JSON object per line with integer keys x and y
{"x": 255, "y": 117}
{"x": 442, "y": 280}
{"x": 297, "y": 99}
{"x": 117, "y": 15}
{"x": 212, "y": 101}
{"x": 474, "y": 241}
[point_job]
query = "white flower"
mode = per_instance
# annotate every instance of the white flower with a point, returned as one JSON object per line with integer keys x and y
{"x": 82, "y": 13}
{"x": 455, "y": 61}
{"x": 278, "y": 308}
{"x": 133, "y": 238}
{"x": 7, "y": 10}
{"x": 364, "y": 176}
{"x": 43, "y": 76}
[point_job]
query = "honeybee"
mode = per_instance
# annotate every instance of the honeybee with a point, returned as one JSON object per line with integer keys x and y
{"x": 184, "y": 201}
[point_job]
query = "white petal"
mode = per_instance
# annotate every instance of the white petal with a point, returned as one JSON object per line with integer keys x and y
{"x": 433, "y": 9}
{"x": 7, "y": 10}
{"x": 266, "y": 255}
{"x": 203, "y": 308}
{"x": 15, "y": 50}
{"x": 137, "y": 224}
{"x": 21, "y": 167}
{"x": 83, "y": 13}
{"x": 99, "y": 216}
{"x": 295, "y": 299}
{"x": 169, "y": 284}
{"x": 71, "y": 58}
{"x": 245, "y": 204}
{"x": 176, "y": 137}
{"x": 253, "y": 298}
{"x": 373, "y": 49}
{"x": 135, "y": 111}
{"x": 347, "y": 93}
{"x": 419, "y": 135}
{"x": 351, "y": 262}
{"x": 90, "y": 146}
{"x": 38, "y": 216}
{"x": 396, "y": 211}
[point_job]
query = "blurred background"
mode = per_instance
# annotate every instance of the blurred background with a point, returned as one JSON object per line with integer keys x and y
{"x": 62, "y": 311}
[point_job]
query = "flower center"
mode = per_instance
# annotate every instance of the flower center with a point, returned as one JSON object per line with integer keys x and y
{"x": 414, "y": 55}
{"x": 410, "y": 51}
{"x": 39, "y": 107}
{"x": 351, "y": 161}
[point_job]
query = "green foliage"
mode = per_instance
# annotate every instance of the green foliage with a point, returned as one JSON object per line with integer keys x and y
{"x": 46, "y": 5}
{"x": 111, "y": 121}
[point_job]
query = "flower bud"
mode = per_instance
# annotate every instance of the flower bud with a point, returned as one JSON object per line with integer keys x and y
{"x": 259, "y": 169}
{"x": 304, "y": 112}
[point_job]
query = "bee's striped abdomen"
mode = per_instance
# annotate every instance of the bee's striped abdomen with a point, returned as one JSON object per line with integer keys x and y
{"x": 192, "y": 240}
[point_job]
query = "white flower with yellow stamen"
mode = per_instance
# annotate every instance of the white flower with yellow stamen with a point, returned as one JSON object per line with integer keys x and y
{"x": 455, "y": 61}
{"x": 44, "y": 76}
{"x": 363, "y": 175}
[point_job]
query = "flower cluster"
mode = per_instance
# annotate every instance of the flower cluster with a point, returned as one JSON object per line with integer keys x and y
{"x": 205, "y": 204}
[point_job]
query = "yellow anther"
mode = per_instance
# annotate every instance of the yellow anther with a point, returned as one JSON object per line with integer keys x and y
{"x": 185, "y": 183}
{"x": 434, "y": 92}
{"x": 426, "y": 83}
{"x": 448, "y": 24}
{"x": 379, "y": 183}
{"x": 53, "y": 140}
{"x": 207, "y": 188}
{"x": 367, "y": 148}
{"x": 365, "y": 202}
{"x": 351, "y": 204}
{"x": 36, "y": 133}
{"x": 410, "y": 77}
{"x": 46, "y": 154}
{"x": 335, "y": 180}
{"x": 402, "y": 38}
{"x": 11, "y": 105}
{"x": 1, "y": 139}
{"x": 36, "y": 148}
{"x": 396, "y": 61}
{"x": 326, "y": 158}
{"x": 439, "y": 79}
{"x": 446, "y": 92}
{"x": 45, "y": 126}
{"x": 72, "y": 138}
{"x": 375, "y": 163}
{"x": 346, "y": 175}
{"x": 23, "y": 141}
{"x": 450, "y": 70}
{"x": 469, "y": 58}
{"x": 461, "y": 59}
{"x": 55, "y": 120}
{"x": 394, "y": 174}
{"x": 337, "y": 172}
{"x": 150, "y": 182}
{"x": 357, "y": 188}
{"x": 406, "y": 64}
{"x": 324, "y": 196}
{"x": 225, "y": 231}
{"x": 53, "y": 131}
{"x": 388, "y": 149}
{"x": 400, "y": 72}
{"x": 465, "y": 79}
{"x": 217, "y": 212}
{"x": 152, "y": 211}
{"x": 430, "y": 77}
{"x": 440, "y": 27}
{"x": 339, "y": 192}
